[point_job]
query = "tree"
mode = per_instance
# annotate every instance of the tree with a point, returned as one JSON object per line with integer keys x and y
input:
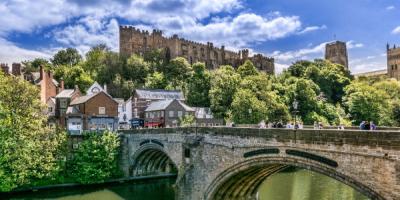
{"x": 365, "y": 102}
{"x": 69, "y": 57}
{"x": 224, "y": 82}
{"x": 96, "y": 158}
{"x": 187, "y": 121}
{"x": 95, "y": 60}
{"x": 156, "y": 81}
{"x": 198, "y": 86}
{"x": 247, "y": 69}
{"x": 120, "y": 87}
{"x": 28, "y": 148}
{"x": 137, "y": 69}
{"x": 247, "y": 109}
{"x": 177, "y": 71}
{"x": 73, "y": 76}
{"x": 156, "y": 58}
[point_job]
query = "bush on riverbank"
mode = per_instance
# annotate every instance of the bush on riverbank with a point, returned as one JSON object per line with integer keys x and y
{"x": 96, "y": 158}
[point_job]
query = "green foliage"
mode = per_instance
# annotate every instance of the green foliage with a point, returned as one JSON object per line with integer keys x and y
{"x": 224, "y": 82}
{"x": 247, "y": 69}
{"x": 72, "y": 76}
{"x": 247, "y": 109}
{"x": 187, "y": 121}
{"x": 137, "y": 69}
{"x": 96, "y": 158}
{"x": 68, "y": 57}
{"x": 156, "y": 58}
{"x": 177, "y": 71}
{"x": 120, "y": 87}
{"x": 156, "y": 81}
{"x": 28, "y": 149}
{"x": 198, "y": 86}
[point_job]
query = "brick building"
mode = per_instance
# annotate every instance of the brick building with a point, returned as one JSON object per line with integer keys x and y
{"x": 393, "y": 61}
{"x": 98, "y": 111}
{"x": 62, "y": 101}
{"x": 132, "y": 40}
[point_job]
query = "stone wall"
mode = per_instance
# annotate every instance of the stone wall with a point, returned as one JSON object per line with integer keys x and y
{"x": 366, "y": 160}
{"x": 393, "y": 62}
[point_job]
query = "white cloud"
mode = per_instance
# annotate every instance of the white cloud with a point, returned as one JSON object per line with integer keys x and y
{"x": 390, "y": 8}
{"x": 12, "y": 53}
{"x": 311, "y": 29}
{"x": 301, "y": 54}
{"x": 351, "y": 44}
{"x": 396, "y": 30}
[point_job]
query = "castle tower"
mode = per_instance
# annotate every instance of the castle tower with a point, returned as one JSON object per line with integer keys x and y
{"x": 393, "y": 61}
{"x": 336, "y": 52}
{"x": 16, "y": 69}
{"x": 4, "y": 68}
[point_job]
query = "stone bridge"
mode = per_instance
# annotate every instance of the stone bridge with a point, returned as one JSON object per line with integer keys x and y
{"x": 231, "y": 163}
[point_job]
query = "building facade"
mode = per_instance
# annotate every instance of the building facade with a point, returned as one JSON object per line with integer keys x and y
{"x": 393, "y": 61}
{"x": 204, "y": 117}
{"x": 336, "y": 52}
{"x": 135, "y": 41}
{"x": 95, "y": 112}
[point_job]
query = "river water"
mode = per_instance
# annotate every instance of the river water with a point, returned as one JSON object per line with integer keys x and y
{"x": 291, "y": 184}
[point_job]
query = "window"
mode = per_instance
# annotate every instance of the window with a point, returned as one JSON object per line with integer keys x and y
{"x": 187, "y": 153}
{"x": 179, "y": 113}
{"x": 63, "y": 103}
{"x": 124, "y": 108}
{"x": 50, "y": 109}
{"x": 147, "y": 115}
{"x": 102, "y": 110}
{"x": 135, "y": 111}
{"x": 171, "y": 113}
{"x": 161, "y": 113}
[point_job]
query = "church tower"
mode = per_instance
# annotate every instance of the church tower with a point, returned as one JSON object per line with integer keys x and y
{"x": 393, "y": 61}
{"x": 336, "y": 52}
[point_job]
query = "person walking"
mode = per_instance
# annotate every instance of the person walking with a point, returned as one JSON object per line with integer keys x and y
{"x": 373, "y": 126}
{"x": 362, "y": 125}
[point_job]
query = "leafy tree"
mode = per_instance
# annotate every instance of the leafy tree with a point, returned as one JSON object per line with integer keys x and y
{"x": 95, "y": 60}
{"x": 121, "y": 88}
{"x": 137, "y": 69}
{"x": 177, "y": 71}
{"x": 247, "y": 69}
{"x": 96, "y": 158}
{"x": 390, "y": 86}
{"x": 156, "y": 58}
{"x": 198, "y": 86}
{"x": 28, "y": 149}
{"x": 69, "y": 57}
{"x": 224, "y": 82}
{"x": 187, "y": 121}
{"x": 156, "y": 81}
{"x": 247, "y": 109}
{"x": 365, "y": 102}
{"x": 73, "y": 76}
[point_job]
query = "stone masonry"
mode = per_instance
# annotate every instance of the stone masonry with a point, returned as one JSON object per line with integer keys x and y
{"x": 230, "y": 163}
{"x": 393, "y": 62}
{"x": 132, "y": 40}
{"x": 336, "y": 52}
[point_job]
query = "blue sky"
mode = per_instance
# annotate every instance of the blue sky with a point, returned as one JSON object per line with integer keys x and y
{"x": 288, "y": 30}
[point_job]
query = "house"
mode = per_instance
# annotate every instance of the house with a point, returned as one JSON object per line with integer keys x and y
{"x": 142, "y": 98}
{"x": 95, "y": 88}
{"x": 204, "y": 117}
{"x": 98, "y": 111}
{"x": 166, "y": 113}
{"x": 123, "y": 120}
{"x": 62, "y": 101}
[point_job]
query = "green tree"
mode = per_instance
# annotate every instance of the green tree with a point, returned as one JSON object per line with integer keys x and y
{"x": 365, "y": 102}
{"x": 198, "y": 86}
{"x": 247, "y": 109}
{"x": 187, "y": 121}
{"x": 247, "y": 69}
{"x": 121, "y": 88}
{"x": 177, "y": 71}
{"x": 69, "y": 57}
{"x": 156, "y": 58}
{"x": 95, "y": 60}
{"x": 224, "y": 82}
{"x": 137, "y": 69}
{"x": 156, "y": 81}
{"x": 28, "y": 148}
{"x": 96, "y": 158}
{"x": 72, "y": 76}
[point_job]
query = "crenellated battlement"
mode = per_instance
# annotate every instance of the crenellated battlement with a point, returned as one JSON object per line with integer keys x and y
{"x": 134, "y": 40}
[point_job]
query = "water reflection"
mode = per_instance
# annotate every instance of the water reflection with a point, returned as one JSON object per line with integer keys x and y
{"x": 301, "y": 184}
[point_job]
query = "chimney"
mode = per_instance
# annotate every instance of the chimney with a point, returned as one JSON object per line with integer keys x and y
{"x": 105, "y": 88}
{"x": 41, "y": 72}
{"x": 62, "y": 85}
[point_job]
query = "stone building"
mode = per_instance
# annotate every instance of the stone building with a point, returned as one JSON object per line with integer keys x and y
{"x": 4, "y": 68}
{"x": 393, "y": 61}
{"x": 132, "y": 40}
{"x": 336, "y": 52}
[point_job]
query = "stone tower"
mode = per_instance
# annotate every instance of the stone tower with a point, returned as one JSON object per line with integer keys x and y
{"x": 336, "y": 52}
{"x": 393, "y": 61}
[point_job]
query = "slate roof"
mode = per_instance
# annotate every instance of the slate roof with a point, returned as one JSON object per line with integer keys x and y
{"x": 67, "y": 93}
{"x": 119, "y": 100}
{"x": 83, "y": 99}
{"x": 163, "y": 104}
{"x": 160, "y": 94}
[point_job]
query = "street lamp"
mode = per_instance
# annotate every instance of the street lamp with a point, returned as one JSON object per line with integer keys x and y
{"x": 250, "y": 111}
{"x": 295, "y": 106}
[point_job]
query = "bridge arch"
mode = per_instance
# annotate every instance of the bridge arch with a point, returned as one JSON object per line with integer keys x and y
{"x": 151, "y": 159}
{"x": 242, "y": 180}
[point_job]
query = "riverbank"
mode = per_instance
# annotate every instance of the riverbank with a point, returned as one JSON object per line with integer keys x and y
{"x": 28, "y": 190}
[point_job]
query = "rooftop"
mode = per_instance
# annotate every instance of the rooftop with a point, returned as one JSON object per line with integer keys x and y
{"x": 67, "y": 93}
{"x": 160, "y": 94}
{"x": 163, "y": 104}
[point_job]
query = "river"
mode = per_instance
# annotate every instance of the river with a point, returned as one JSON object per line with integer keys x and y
{"x": 291, "y": 184}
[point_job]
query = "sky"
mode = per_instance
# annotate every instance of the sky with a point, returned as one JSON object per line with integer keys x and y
{"x": 287, "y": 30}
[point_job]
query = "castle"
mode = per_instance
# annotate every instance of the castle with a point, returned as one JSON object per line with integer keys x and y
{"x": 336, "y": 52}
{"x": 393, "y": 61}
{"x": 132, "y": 40}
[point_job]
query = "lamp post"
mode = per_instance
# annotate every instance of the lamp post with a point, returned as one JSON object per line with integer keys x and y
{"x": 295, "y": 106}
{"x": 250, "y": 111}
